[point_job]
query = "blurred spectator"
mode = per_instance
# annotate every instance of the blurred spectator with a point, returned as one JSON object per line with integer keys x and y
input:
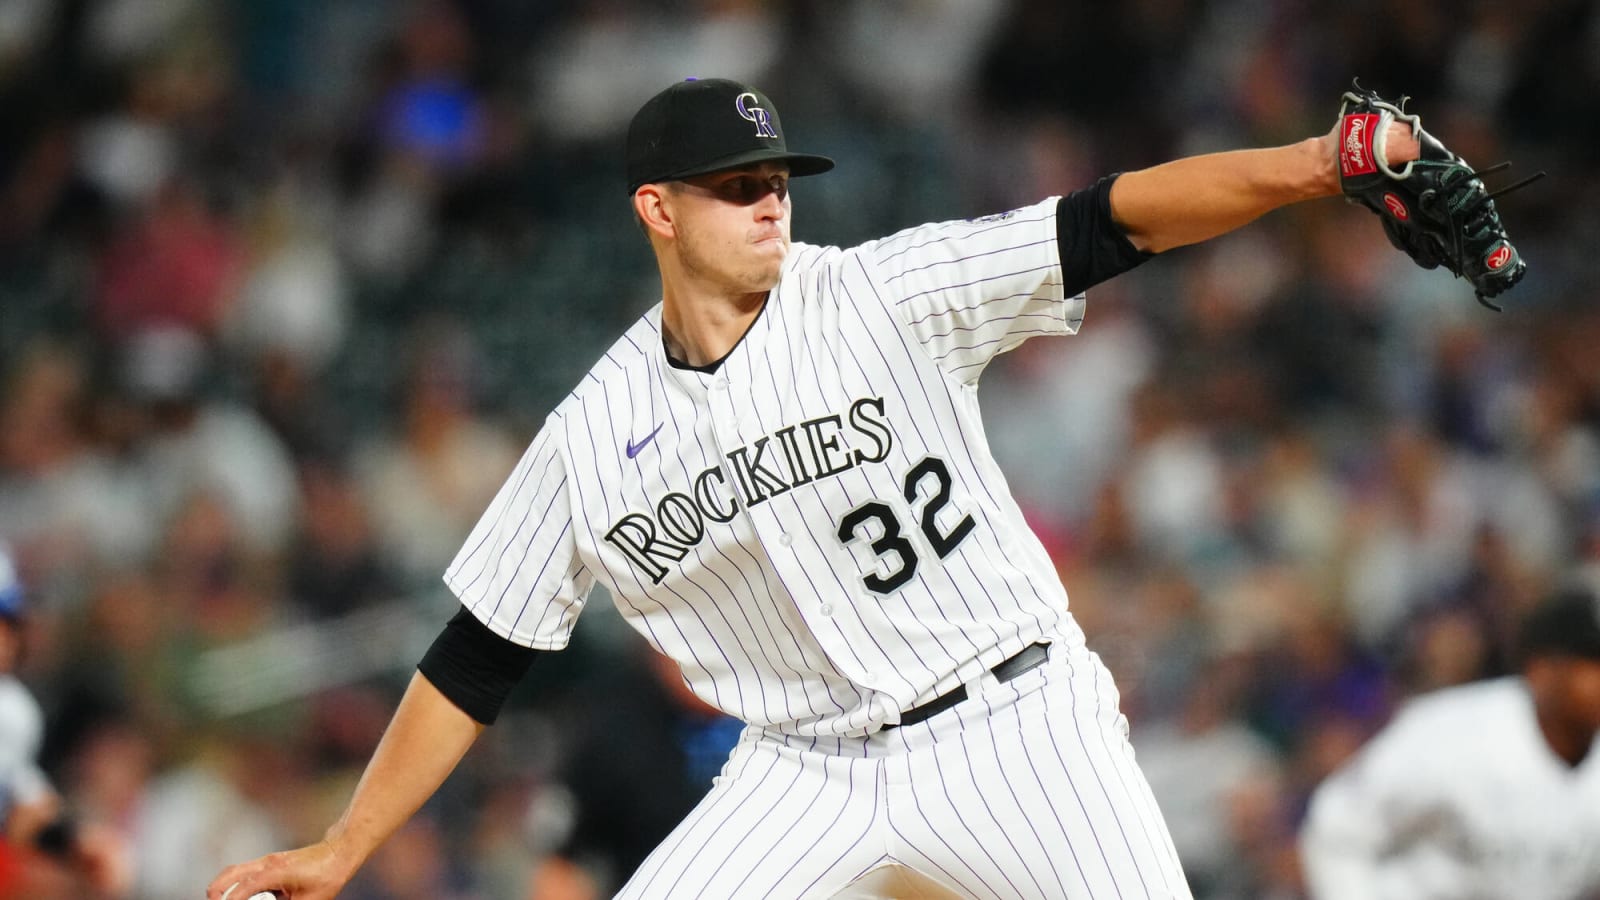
{"x": 187, "y": 444}
{"x": 177, "y": 268}
{"x": 335, "y": 563}
{"x": 583, "y": 95}
{"x": 1201, "y": 764}
{"x": 628, "y": 794}
{"x": 293, "y": 304}
{"x": 427, "y": 485}
{"x": 45, "y": 850}
{"x": 46, "y": 485}
{"x": 1292, "y": 450}
{"x": 427, "y": 123}
{"x": 196, "y": 817}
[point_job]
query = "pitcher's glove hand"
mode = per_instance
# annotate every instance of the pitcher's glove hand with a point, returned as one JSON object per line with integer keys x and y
{"x": 1435, "y": 209}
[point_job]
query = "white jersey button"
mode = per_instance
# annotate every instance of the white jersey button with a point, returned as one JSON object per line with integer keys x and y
{"x": 867, "y": 678}
{"x": 826, "y": 609}
{"x": 785, "y": 539}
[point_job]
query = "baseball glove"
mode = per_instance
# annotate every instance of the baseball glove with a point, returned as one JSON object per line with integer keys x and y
{"x": 1436, "y": 209}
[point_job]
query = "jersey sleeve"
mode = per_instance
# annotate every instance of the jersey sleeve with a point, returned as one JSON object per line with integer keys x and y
{"x": 972, "y": 289}
{"x": 1366, "y": 830}
{"x": 21, "y": 732}
{"x": 519, "y": 571}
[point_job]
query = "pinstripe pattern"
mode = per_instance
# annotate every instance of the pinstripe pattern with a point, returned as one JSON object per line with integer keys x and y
{"x": 818, "y": 534}
{"x": 978, "y": 801}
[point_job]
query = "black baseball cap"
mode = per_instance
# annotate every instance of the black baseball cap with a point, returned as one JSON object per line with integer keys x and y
{"x": 705, "y": 125}
{"x": 1565, "y": 624}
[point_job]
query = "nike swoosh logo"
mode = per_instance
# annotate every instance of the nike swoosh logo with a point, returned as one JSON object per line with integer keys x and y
{"x": 634, "y": 448}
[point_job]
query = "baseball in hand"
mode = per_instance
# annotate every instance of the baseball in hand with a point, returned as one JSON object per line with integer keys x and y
{"x": 258, "y": 895}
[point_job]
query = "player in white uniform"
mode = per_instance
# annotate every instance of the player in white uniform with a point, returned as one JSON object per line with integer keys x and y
{"x": 1490, "y": 789}
{"x": 780, "y": 474}
{"x": 33, "y": 819}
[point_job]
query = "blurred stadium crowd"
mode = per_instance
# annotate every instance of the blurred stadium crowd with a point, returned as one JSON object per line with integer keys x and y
{"x": 286, "y": 286}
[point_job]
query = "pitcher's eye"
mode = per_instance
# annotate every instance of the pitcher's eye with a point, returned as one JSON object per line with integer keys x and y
{"x": 747, "y": 189}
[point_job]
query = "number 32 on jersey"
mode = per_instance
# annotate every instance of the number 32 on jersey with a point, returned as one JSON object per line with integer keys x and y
{"x": 927, "y": 482}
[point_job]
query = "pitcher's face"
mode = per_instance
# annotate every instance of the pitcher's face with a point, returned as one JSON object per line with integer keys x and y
{"x": 732, "y": 227}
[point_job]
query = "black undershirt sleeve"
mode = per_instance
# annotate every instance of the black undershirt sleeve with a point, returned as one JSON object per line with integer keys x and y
{"x": 474, "y": 667}
{"x": 1093, "y": 247}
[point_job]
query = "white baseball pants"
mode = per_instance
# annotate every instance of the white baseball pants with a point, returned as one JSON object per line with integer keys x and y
{"x": 1027, "y": 789}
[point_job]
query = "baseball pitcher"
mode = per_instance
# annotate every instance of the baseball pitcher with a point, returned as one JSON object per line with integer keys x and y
{"x": 780, "y": 474}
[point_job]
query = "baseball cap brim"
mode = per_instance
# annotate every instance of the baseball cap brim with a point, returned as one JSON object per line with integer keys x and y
{"x": 799, "y": 164}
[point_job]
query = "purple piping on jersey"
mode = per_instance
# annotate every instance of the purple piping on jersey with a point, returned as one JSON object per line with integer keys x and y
{"x": 845, "y": 590}
{"x": 730, "y": 593}
{"x": 1014, "y": 337}
{"x": 1012, "y": 248}
{"x": 483, "y": 566}
{"x": 815, "y": 369}
{"x": 999, "y": 498}
{"x": 619, "y": 596}
{"x": 501, "y": 559}
{"x": 542, "y": 568}
{"x": 1019, "y": 335}
{"x": 950, "y": 287}
{"x": 978, "y": 228}
{"x": 914, "y": 419}
{"x": 905, "y": 457}
{"x": 572, "y": 573}
{"x": 826, "y": 682}
{"x": 1051, "y": 317}
{"x": 671, "y": 619}
{"x": 761, "y": 568}
{"x": 654, "y": 385}
{"x": 976, "y": 306}
{"x": 986, "y": 537}
{"x": 527, "y": 466}
{"x": 709, "y": 633}
{"x": 805, "y": 692}
{"x": 849, "y": 591}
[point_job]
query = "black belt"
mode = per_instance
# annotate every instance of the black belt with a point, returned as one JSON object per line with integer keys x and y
{"x": 1030, "y": 658}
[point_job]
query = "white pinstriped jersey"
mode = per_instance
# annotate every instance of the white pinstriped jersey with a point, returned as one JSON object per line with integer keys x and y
{"x": 816, "y": 532}
{"x": 1459, "y": 797}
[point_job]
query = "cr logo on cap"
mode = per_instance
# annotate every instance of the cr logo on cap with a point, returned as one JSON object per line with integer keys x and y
{"x": 756, "y": 114}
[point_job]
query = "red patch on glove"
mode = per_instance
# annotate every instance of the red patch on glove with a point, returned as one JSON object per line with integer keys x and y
{"x": 1355, "y": 145}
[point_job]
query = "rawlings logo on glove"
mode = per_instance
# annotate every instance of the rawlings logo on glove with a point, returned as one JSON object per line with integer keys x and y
{"x": 1436, "y": 208}
{"x": 1355, "y": 157}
